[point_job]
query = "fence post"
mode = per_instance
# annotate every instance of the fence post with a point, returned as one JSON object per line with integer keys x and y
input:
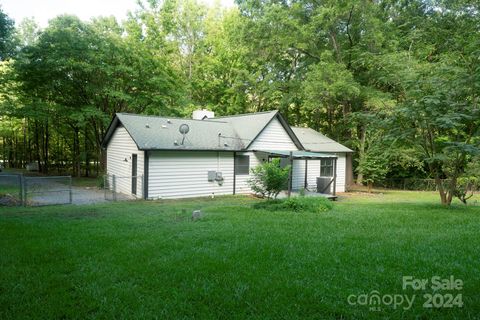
{"x": 105, "y": 179}
{"x": 20, "y": 189}
{"x": 70, "y": 189}
{"x": 24, "y": 190}
{"x": 114, "y": 187}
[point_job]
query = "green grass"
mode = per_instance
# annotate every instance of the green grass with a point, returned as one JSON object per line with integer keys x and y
{"x": 11, "y": 190}
{"x": 87, "y": 182}
{"x": 149, "y": 260}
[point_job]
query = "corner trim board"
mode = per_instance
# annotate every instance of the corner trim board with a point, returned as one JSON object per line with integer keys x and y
{"x": 145, "y": 174}
{"x": 234, "y": 173}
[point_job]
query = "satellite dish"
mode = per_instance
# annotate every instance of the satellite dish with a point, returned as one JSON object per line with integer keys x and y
{"x": 184, "y": 128}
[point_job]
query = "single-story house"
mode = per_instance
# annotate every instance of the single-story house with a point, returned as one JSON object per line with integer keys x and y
{"x": 159, "y": 157}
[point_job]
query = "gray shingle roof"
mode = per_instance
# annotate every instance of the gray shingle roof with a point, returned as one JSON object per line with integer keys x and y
{"x": 315, "y": 141}
{"x": 150, "y": 133}
{"x": 249, "y": 125}
{"x": 230, "y": 133}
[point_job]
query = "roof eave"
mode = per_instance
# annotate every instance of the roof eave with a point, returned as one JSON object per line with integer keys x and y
{"x": 109, "y": 133}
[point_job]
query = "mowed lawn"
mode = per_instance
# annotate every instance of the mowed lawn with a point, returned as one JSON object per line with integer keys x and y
{"x": 149, "y": 260}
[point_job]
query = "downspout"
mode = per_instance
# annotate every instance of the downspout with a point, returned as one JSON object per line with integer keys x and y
{"x": 335, "y": 176}
{"x": 306, "y": 174}
{"x": 234, "y": 172}
{"x": 290, "y": 174}
{"x": 146, "y": 162}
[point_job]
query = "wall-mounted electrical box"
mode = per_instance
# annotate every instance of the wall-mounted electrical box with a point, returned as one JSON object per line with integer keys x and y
{"x": 212, "y": 175}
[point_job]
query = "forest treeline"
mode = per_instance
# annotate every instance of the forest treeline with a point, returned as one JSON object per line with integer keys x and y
{"x": 396, "y": 81}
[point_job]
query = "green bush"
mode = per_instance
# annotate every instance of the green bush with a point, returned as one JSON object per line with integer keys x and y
{"x": 269, "y": 178}
{"x": 296, "y": 204}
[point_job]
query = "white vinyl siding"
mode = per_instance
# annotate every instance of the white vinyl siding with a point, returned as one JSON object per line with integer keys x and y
{"x": 273, "y": 137}
{"x": 241, "y": 183}
{"x": 184, "y": 174}
{"x": 121, "y": 147}
{"x": 341, "y": 171}
{"x": 298, "y": 174}
{"x": 313, "y": 171}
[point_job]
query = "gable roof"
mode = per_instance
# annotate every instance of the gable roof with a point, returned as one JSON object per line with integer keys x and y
{"x": 250, "y": 125}
{"x": 229, "y": 133}
{"x": 315, "y": 141}
{"x": 162, "y": 133}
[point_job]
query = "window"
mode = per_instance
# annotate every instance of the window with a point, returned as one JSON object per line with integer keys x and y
{"x": 326, "y": 168}
{"x": 242, "y": 164}
{"x": 284, "y": 162}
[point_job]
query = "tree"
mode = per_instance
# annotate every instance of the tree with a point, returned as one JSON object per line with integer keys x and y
{"x": 78, "y": 75}
{"x": 441, "y": 118}
{"x": 269, "y": 179}
{"x": 7, "y": 39}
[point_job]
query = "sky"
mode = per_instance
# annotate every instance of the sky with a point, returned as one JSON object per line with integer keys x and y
{"x": 44, "y": 10}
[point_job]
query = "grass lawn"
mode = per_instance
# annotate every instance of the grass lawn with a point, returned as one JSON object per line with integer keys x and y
{"x": 149, "y": 260}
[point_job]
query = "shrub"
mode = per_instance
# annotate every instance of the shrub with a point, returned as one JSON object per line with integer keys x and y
{"x": 269, "y": 179}
{"x": 296, "y": 204}
{"x": 466, "y": 187}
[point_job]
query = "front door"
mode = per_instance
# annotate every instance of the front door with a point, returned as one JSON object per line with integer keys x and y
{"x": 134, "y": 173}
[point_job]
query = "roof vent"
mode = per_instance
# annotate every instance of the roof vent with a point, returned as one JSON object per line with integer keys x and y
{"x": 169, "y": 121}
{"x": 225, "y": 144}
{"x": 164, "y": 126}
{"x": 147, "y": 126}
{"x": 175, "y": 142}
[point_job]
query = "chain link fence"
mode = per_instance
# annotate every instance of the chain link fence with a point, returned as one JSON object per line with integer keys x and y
{"x": 11, "y": 191}
{"x": 17, "y": 190}
{"x": 117, "y": 188}
{"x": 39, "y": 191}
{"x": 411, "y": 184}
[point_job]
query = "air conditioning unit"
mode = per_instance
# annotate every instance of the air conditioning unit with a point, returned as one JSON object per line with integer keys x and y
{"x": 324, "y": 185}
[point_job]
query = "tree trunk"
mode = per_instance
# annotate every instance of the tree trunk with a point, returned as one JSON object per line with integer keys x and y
{"x": 443, "y": 193}
{"x": 46, "y": 146}
{"x": 85, "y": 146}
{"x": 37, "y": 147}
{"x": 361, "y": 154}
{"x": 76, "y": 152}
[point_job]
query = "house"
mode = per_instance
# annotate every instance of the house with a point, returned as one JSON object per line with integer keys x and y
{"x": 157, "y": 157}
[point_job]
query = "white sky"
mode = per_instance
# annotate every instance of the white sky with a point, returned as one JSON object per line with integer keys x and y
{"x": 44, "y": 10}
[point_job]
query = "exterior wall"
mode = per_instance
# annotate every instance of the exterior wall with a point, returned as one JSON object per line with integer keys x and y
{"x": 184, "y": 174}
{"x": 313, "y": 171}
{"x": 122, "y": 146}
{"x": 273, "y": 137}
{"x": 341, "y": 171}
{"x": 241, "y": 183}
{"x": 298, "y": 174}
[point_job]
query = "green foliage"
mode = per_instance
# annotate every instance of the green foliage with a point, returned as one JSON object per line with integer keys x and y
{"x": 466, "y": 188}
{"x": 296, "y": 204}
{"x": 7, "y": 37}
{"x": 269, "y": 178}
{"x": 374, "y": 167}
{"x": 398, "y": 82}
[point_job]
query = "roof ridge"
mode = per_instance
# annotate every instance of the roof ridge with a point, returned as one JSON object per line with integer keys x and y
{"x": 166, "y": 117}
{"x": 246, "y": 114}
